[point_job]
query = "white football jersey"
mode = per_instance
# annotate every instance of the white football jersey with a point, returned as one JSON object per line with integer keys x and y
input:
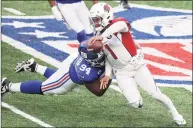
{"x": 115, "y": 51}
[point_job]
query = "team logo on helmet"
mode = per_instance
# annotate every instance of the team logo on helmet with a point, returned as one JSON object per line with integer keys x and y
{"x": 106, "y": 8}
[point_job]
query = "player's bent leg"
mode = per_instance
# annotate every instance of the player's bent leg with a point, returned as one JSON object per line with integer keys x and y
{"x": 45, "y": 71}
{"x": 166, "y": 101}
{"x": 146, "y": 82}
{"x": 137, "y": 104}
{"x": 60, "y": 82}
{"x": 29, "y": 87}
{"x": 130, "y": 91}
{"x": 58, "y": 86}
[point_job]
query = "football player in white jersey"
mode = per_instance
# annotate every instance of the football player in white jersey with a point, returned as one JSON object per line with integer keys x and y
{"x": 76, "y": 15}
{"x": 124, "y": 59}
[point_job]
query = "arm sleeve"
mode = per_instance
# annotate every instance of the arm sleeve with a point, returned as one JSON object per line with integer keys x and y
{"x": 120, "y": 26}
{"x": 108, "y": 69}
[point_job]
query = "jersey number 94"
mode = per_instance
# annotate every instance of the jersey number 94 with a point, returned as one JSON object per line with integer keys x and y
{"x": 83, "y": 68}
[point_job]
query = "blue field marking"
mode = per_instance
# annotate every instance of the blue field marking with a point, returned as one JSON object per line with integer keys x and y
{"x": 178, "y": 82}
{"x": 37, "y": 43}
{"x": 139, "y": 13}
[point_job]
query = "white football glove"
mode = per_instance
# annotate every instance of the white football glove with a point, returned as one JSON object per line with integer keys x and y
{"x": 138, "y": 59}
{"x": 57, "y": 13}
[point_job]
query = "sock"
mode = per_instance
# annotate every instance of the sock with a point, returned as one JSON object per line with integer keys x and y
{"x": 31, "y": 87}
{"x": 81, "y": 36}
{"x": 45, "y": 71}
{"x": 49, "y": 72}
{"x": 14, "y": 87}
{"x": 41, "y": 69}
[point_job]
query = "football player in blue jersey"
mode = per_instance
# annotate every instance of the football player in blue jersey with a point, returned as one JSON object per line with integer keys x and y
{"x": 73, "y": 72}
{"x": 75, "y": 14}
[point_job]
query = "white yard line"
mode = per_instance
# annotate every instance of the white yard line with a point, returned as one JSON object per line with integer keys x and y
{"x": 154, "y": 8}
{"x": 25, "y": 115}
{"x": 160, "y": 8}
{"x": 14, "y": 11}
{"x": 26, "y": 49}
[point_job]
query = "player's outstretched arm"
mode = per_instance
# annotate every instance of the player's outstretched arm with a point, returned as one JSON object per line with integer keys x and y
{"x": 108, "y": 73}
{"x": 119, "y": 26}
{"x": 94, "y": 87}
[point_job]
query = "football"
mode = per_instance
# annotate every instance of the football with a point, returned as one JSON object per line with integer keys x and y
{"x": 96, "y": 46}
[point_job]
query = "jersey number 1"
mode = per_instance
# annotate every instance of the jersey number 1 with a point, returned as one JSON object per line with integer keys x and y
{"x": 111, "y": 51}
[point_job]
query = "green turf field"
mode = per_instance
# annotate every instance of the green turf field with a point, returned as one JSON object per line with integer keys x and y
{"x": 80, "y": 108}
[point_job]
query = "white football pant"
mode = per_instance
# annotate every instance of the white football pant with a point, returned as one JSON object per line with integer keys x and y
{"x": 128, "y": 81}
{"x": 60, "y": 82}
{"x": 76, "y": 16}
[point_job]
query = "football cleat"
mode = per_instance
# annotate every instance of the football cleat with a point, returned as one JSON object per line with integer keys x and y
{"x": 4, "y": 86}
{"x": 179, "y": 120}
{"x": 28, "y": 65}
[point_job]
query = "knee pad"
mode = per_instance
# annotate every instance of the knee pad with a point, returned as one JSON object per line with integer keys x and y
{"x": 137, "y": 104}
{"x": 81, "y": 36}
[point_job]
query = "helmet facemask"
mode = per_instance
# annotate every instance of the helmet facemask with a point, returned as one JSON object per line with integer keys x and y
{"x": 97, "y": 23}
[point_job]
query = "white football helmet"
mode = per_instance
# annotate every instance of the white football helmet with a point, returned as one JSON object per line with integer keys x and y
{"x": 101, "y": 14}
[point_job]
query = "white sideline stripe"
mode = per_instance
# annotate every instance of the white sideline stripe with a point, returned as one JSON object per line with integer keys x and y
{"x": 18, "y": 45}
{"x": 160, "y": 8}
{"x": 14, "y": 11}
{"x": 25, "y": 115}
{"x": 156, "y": 8}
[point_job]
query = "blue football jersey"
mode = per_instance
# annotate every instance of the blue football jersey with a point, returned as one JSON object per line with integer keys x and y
{"x": 68, "y": 1}
{"x": 82, "y": 72}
